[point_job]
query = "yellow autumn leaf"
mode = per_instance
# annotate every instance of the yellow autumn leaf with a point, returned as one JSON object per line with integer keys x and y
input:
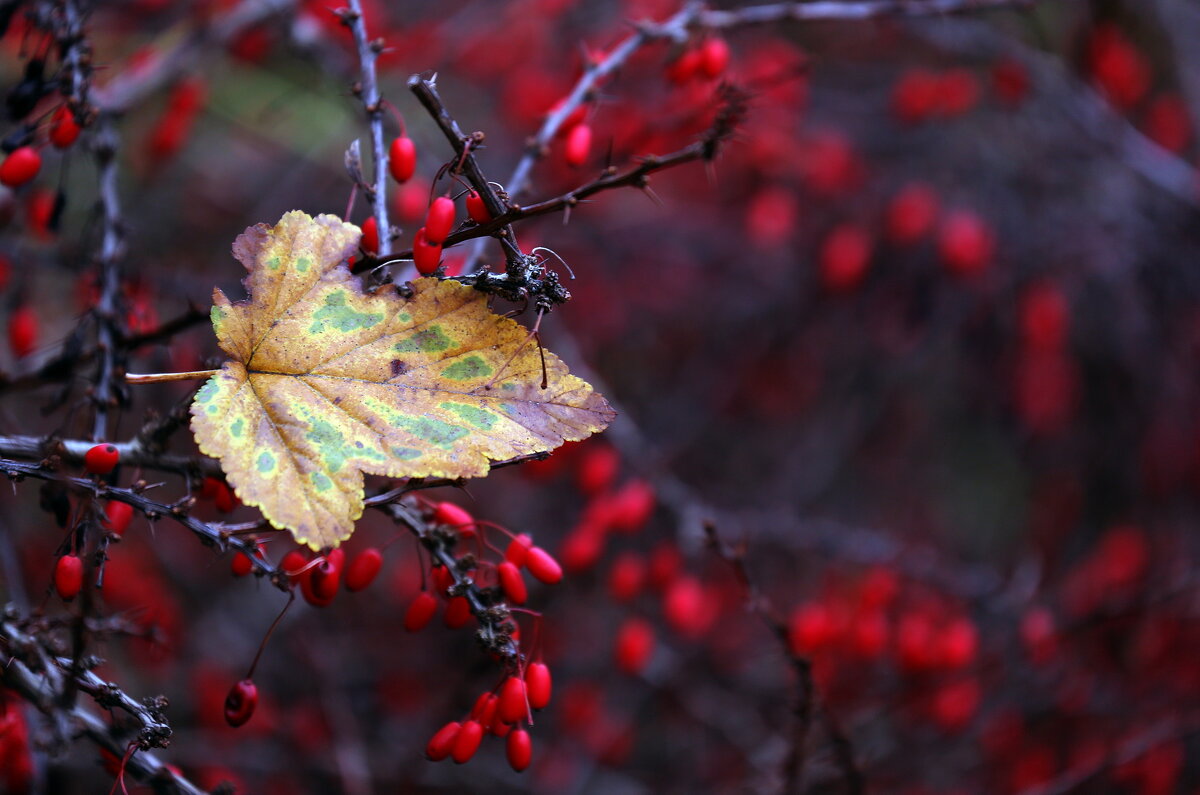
{"x": 326, "y": 382}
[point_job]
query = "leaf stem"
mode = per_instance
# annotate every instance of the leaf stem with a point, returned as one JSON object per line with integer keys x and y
{"x": 154, "y": 378}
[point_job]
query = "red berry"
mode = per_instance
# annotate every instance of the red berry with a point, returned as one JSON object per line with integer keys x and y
{"x": 458, "y": 612}
{"x": 631, "y": 507}
{"x": 363, "y": 568}
{"x": 22, "y": 331}
{"x": 685, "y": 67}
{"x": 420, "y": 612}
{"x": 21, "y": 165}
{"x": 476, "y": 209}
{"x": 579, "y": 143}
{"x": 441, "y": 743}
{"x": 512, "y": 582}
{"x": 439, "y": 221}
{"x": 452, "y": 515}
{"x": 241, "y": 565}
{"x": 598, "y": 469}
{"x": 485, "y": 708}
{"x": 911, "y": 214}
{"x": 663, "y": 566}
{"x": 370, "y": 235}
{"x": 915, "y": 95}
{"x": 402, "y": 159}
{"x": 845, "y": 255}
{"x": 1167, "y": 123}
{"x": 426, "y": 255}
{"x": 635, "y": 645}
{"x": 68, "y": 577}
{"x": 518, "y": 748}
{"x": 626, "y": 577}
{"x": 810, "y": 628}
{"x": 965, "y": 243}
{"x": 1011, "y": 81}
{"x": 958, "y": 92}
{"x": 543, "y": 566}
{"x": 714, "y": 57}
{"x": 442, "y": 579}
{"x": 466, "y": 741}
{"x": 1044, "y": 317}
{"x": 688, "y": 608}
{"x": 1039, "y": 635}
{"x": 538, "y": 684}
{"x": 292, "y": 564}
{"x": 955, "y": 703}
{"x": 119, "y": 515}
{"x": 960, "y": 643}
{"x": 240, "y": 703}
{"x": 512, "y": 700}
{"x": 326, "y": 576}
{"x": 101, "y": 459}
{"x": 63, "y": 129}
{"x": 518, "y": 549}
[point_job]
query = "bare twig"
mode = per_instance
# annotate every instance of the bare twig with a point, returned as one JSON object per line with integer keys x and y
{"x": 368, "y": 52}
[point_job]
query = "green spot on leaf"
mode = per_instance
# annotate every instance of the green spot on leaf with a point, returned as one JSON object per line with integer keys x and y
{"x": 336, "y": 315}
{"x": 405, "y": 317}
{"x": 265, "y": 463}
{"x": 273, "y": 263}
{"x": 483, "y": 420}
{"x": 435, "y": 432}
{"x": 468, "y": 369}
{"x": 238, "y": 426}
{"x": 208, "y": 391}
{"x": 321, "y": 482}
{"x": 303, "y": 264}
{"x": 406, "y": 453}
{"x": 430, "y": 340}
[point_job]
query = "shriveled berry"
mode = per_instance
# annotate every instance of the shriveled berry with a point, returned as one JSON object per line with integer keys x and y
{"x": 101, "y": 459}
{"x": 68, "y": 577}
{"x": 363, "y": 569}
{"x": 240, "y": 703}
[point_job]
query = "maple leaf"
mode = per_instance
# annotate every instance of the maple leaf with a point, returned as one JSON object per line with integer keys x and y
{"x": 326, "y": 382}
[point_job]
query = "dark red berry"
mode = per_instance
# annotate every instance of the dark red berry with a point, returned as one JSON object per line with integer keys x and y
{"x": 370, "y": 235}
{"x": 518, "y": 549}
{"x": 512, "y": 700}
{"x": 327, "y": 576}
{"x": 119, "y": 515}
{"x": 240, "y": 703}
{"x": 579, "y": 144}
{"x": 458, "y": 612}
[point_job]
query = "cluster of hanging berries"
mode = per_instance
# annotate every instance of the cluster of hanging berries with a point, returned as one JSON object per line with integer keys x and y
{"x": 502, "y": 713}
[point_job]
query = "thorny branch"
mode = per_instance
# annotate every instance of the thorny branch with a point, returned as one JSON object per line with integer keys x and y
{"x": 33, "y": 670}
{"x": 807, "y": 700}
{"x": 368, "y": 89}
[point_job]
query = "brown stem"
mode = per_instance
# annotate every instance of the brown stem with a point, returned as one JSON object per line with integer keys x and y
{"x": 155, "y": 378}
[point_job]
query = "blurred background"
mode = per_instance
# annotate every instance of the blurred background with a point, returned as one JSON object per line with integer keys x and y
{"x": 919, "y": 348}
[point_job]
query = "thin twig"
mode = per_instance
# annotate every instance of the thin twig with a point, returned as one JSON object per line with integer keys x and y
{"x": 368, "y": 52}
